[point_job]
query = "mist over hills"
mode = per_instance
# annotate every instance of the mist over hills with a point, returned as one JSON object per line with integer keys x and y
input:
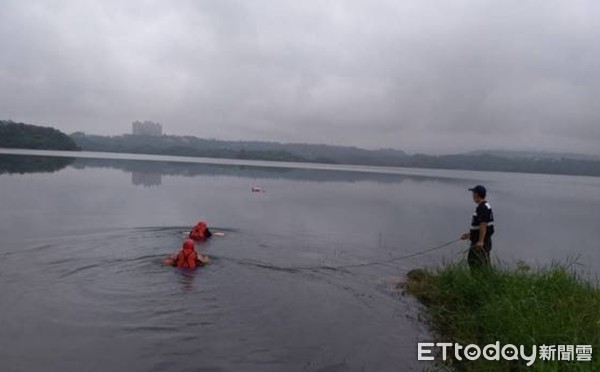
{"x": 20, "y": 135}
{"x": 258, "y": 150}
{"x": 512, "y": 154}
{"x": 482, "y": 160}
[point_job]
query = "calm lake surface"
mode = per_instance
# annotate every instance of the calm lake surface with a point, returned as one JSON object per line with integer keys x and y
{"x": 82, "y": 287}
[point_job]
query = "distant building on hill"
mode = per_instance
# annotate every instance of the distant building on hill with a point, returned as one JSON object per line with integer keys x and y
{"x": 146, "y": 128}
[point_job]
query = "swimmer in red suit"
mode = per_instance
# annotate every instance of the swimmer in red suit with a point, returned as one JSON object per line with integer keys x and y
{"x": 187, "y": 257}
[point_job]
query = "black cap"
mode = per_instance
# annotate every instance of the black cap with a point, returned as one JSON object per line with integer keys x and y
{"x": 479, "y": 190}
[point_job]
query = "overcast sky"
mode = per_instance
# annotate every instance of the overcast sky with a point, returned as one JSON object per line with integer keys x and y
{"x": 432, "y": 76}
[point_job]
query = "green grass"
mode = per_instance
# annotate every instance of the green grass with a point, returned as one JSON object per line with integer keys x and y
{"x": 551, "y": 306}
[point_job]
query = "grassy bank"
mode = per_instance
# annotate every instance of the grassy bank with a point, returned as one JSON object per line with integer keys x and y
{"x": 520, "y": 307}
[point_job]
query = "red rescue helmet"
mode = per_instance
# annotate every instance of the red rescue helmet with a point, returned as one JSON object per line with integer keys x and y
{"x": 188, "y": 244}
{"x": 200, "y": 231}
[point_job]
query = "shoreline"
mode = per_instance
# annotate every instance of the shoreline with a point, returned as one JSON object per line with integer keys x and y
{"x": 465, "y": 174}
{"x": 550, "y": 306}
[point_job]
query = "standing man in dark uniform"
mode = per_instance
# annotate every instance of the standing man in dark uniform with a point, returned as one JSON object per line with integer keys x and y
{"x": 481, "y": 231}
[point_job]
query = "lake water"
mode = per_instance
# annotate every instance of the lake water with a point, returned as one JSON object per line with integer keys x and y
{"x": 82, "y": 287}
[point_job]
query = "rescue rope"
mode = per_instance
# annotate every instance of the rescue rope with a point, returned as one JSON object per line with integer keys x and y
{"x": 341, "y": 267}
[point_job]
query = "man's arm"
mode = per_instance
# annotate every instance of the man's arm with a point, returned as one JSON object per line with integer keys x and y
{"x": 482, "y": 231}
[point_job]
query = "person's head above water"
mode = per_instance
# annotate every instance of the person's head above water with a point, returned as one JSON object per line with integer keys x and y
{"x": 188, "y": 245}
{"x": 200, "y": 231}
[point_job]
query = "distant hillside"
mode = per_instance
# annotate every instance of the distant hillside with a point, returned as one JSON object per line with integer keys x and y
{"x": 26, "y": 136}
{"x": 19, "y": 135}
{"x": 481, "y": 160}
{"x": 193, "y": 146}
{"x": 535, "y": 155}
{"x": 180, "y": 146}
{"x": 492, "y": 163}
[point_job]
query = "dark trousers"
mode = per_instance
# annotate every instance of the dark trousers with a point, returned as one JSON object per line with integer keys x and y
{"x": 479, "y": 258}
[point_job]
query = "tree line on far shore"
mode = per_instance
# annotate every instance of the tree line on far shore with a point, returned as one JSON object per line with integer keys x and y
{"x": 25, "y": 136}
{"x": 327, "y": 154}
{"x": 20, "y": 135}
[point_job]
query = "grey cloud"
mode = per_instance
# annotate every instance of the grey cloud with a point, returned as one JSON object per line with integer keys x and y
{"x": 420, "y": 75}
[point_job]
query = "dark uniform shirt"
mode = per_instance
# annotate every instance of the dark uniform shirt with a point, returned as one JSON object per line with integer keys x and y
{"x": 483, "y": 214}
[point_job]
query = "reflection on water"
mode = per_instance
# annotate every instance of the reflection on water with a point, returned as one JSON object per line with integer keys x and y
{"x": 189, "y": 167}
{"x": 146, "y": 179}
{"x": 149, "y": 173}
{"x": 20, "y": 164}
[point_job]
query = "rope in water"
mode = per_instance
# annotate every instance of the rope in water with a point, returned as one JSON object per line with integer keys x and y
{"x": 341, "y": 267}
